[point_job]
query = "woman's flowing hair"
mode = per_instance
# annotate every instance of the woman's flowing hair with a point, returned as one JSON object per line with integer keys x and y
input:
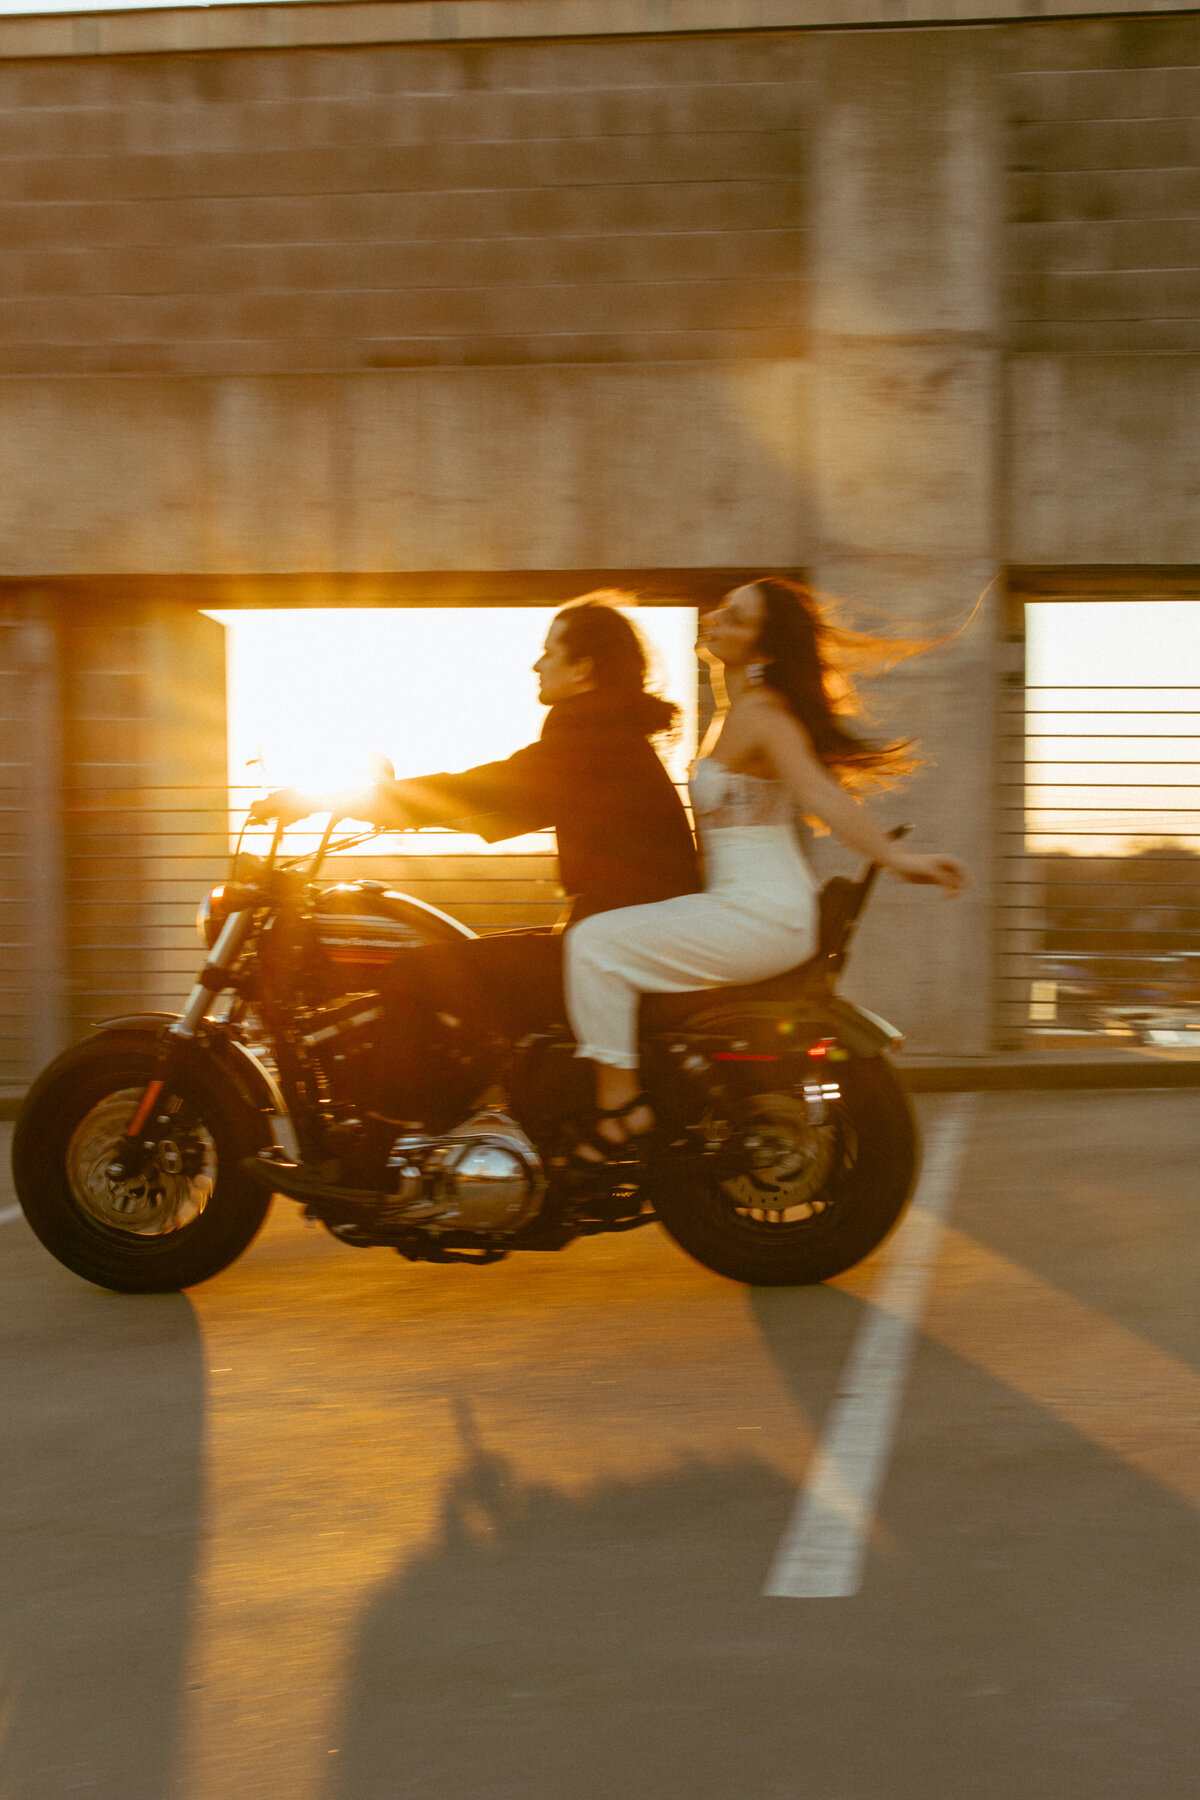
{"x": 592, "y": 626}
{"x": 811, "y": 660}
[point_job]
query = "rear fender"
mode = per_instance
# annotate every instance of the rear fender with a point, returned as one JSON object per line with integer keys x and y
{"x": 255, "y": 1084}
{"x": 775, "y": 1028}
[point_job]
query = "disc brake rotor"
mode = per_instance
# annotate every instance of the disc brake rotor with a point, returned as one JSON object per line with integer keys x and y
{"x": 788, "y": 1160}
{"x": 169, "y": 1193}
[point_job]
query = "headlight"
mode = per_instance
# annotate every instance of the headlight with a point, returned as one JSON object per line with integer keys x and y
{"x": 227, "y": 897}
{"x": 212, "y": 913}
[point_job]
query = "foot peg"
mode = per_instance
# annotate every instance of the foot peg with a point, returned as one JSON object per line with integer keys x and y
{"x": 274, "y": 1168}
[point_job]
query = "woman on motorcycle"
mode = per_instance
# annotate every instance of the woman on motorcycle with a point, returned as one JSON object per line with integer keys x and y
{"x": 780, "y": 744}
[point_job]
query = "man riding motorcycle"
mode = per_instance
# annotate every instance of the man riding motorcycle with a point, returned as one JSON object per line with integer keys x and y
{"x": 595, "y": 778}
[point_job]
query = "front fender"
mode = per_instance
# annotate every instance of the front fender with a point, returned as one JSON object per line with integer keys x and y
{"x": 255, "y": 1083}
{"x": 855, "y": 1029}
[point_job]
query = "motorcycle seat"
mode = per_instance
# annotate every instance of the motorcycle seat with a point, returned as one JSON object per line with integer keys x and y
{"x": 659, "y": 1012}
{"x": 838, "y": 905}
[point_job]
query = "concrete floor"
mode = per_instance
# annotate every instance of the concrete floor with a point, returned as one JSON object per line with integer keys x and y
{"x": 337, "y": 1528}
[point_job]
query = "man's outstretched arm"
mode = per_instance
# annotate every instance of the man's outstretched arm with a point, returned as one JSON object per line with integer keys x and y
{"x": 495, "y": 800}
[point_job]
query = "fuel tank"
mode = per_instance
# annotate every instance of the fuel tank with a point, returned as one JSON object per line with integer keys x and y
{"x": 363, "y": 927}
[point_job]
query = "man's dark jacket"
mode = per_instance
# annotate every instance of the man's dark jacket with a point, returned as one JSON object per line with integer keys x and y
{"x": 594, "y": 778}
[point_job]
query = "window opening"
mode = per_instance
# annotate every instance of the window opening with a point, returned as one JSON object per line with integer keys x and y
{"x": 1100, "y": 902}
{"x": 313, "y": 694}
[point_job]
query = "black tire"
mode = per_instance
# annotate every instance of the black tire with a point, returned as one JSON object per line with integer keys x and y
{"x": 191, "y": 1225}
{"x": 872, "y": 1153}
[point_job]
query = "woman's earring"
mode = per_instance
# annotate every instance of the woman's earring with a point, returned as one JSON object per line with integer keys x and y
{"x": 754, "y": 674}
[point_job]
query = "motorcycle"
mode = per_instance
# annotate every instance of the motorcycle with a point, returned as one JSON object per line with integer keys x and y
{"x": 145, "y": 1157}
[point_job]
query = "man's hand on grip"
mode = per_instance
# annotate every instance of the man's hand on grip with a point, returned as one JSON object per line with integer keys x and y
{"x": 285, "y": 804}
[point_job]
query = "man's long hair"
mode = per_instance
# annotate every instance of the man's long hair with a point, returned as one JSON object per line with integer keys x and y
{"x": 592, "y": 627}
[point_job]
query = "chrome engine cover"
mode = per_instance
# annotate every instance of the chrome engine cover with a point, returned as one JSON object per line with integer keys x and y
{"x": 485, "y": 1175}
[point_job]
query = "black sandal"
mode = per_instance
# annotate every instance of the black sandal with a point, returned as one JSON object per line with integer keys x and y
{"x": 611, "y": 1150}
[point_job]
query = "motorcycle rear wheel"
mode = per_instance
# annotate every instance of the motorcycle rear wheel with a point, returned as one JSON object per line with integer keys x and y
{"x": 829, "y": 1198}
{"x": 186, "y": 1219}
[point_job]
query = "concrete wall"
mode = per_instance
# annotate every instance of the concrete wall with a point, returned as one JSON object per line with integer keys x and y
{"x": 404, "y": 206}
{"x": 1104, "y": 291}
{"x": 275, "y": 312}
{"x": 547, "y": 467}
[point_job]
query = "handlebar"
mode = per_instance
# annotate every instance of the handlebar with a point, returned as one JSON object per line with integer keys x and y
{"x": 272, "y": 861}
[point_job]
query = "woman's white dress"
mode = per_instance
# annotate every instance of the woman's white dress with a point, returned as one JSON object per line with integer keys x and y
{"x": 756, "y": 917}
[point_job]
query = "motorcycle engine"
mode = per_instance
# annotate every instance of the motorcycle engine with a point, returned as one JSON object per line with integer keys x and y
{"x": 485, "y": 1175}
{"x": 338, "y": 1038}
{"x": 432, "y": 1076}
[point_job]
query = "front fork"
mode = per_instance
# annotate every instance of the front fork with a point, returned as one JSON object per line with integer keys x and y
{"x": 154, "y": 1113}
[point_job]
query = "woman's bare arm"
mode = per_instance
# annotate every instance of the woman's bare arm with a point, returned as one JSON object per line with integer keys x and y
{"x": 783, "y": 740}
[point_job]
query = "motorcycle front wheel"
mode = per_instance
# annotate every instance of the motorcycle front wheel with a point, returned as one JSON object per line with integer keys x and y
{"x": 811, "y": 1186}
{"x": 184, "y": 1218}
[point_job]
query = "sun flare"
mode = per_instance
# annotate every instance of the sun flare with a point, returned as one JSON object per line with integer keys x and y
{"x": 314, "y": 694}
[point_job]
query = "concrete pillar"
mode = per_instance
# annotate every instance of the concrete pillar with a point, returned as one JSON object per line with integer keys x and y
{"x": 44, "y": 966}
{"x": 906, "y": 217}
{"x": 185, "y": 801}
{"x": 146, "y": 826}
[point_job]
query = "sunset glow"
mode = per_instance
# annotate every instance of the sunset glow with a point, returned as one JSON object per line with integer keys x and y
{"x": 1113, "y": 756}
{"x": 314, "y": 694}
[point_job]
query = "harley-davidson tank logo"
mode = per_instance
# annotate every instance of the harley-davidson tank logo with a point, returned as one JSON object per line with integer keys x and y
{"x": 365, "y": 939}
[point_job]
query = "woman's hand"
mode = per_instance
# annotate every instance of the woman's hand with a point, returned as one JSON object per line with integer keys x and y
{"x": 929, "y": 871}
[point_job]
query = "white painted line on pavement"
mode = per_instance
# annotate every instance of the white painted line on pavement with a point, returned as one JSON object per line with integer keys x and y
{"x": 9, "y": 1214}
{"x": 823, "y": 1551}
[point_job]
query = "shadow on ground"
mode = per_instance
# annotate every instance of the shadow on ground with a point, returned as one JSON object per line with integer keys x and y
{"x": 548, "y": 1646}
{"x": 615, "y": 1642}
{"x": 100, "y": 1447}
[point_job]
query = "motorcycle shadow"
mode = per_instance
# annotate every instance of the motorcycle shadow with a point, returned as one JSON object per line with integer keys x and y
{"x": 611, "y": 1642}
{"x": 100, "y": 1483}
